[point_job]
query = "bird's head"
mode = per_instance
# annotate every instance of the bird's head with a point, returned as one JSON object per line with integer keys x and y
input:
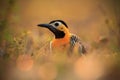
{"x": 58, "y": 27}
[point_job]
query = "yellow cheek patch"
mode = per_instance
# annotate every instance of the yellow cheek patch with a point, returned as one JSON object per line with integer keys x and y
{"x": 61, "y": 28}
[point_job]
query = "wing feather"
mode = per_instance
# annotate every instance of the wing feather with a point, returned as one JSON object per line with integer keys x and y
{"x": 74, "y": 39}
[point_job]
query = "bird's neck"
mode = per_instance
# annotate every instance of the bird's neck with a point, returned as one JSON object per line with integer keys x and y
{"x": 66, "y": 36}
{"x": 61, "y": 41}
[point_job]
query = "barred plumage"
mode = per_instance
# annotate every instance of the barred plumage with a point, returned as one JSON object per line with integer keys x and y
{"x": 74, "y": 39}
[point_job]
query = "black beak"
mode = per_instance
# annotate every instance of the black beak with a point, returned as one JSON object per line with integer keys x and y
{"x": 44, "y": 25}
{"x": 50, "y": 27}
{"x": 57, "y": 33}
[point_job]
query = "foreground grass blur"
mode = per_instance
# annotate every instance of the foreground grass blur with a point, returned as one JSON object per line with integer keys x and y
{"x": 28, "y": 58}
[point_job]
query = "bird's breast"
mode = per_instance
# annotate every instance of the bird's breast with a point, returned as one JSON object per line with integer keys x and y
{"x": 60, "y": 42}
{"x": 60, "y": 45}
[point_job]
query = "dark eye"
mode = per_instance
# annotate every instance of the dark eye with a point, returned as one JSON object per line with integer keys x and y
{"x": 56, "y": 24}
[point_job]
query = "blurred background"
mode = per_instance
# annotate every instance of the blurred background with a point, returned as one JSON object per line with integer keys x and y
{"x": 23, "y": 51}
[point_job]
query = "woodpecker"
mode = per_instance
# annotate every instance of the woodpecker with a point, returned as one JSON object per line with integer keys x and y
{"x": 63, "y": 39}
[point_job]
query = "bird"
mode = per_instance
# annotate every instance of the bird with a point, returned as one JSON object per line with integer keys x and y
{"x": 63, "y": 39}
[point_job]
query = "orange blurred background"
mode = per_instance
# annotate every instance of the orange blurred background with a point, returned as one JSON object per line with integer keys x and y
{"x": 22, "y": 48}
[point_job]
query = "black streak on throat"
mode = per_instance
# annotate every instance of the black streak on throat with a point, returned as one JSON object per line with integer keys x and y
{"x": 59, "y": 34}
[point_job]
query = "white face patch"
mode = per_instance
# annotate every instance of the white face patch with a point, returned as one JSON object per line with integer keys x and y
{"x": 56, "y": 24}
